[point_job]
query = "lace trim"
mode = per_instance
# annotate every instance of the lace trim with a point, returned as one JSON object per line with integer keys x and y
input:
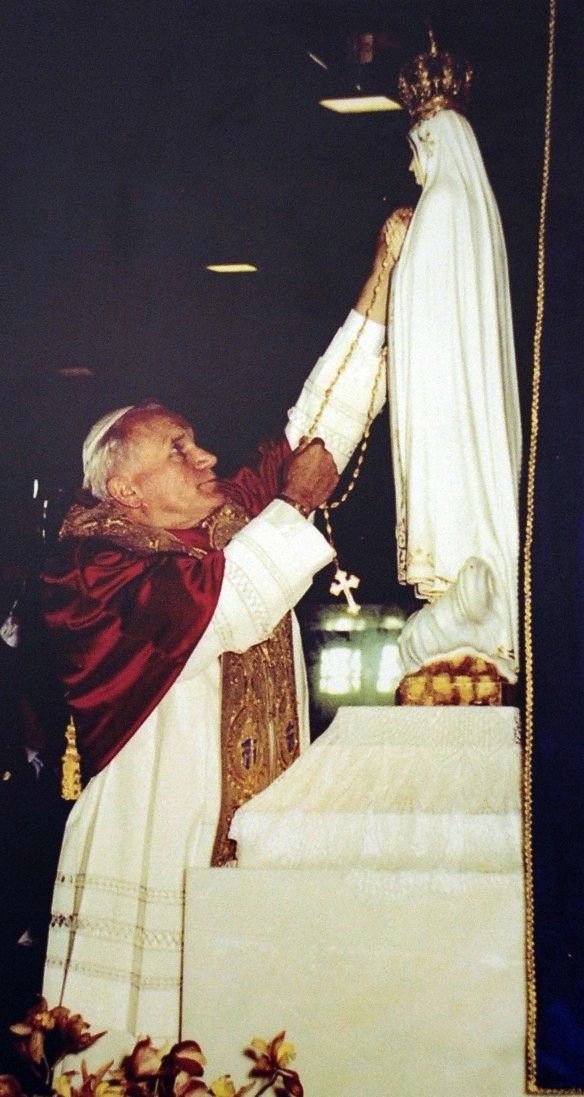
{"x": 249, "y": 596}
{"x": 137, "y": 935}
{"x": 222, "y": 628}
{"x": 120, "y": 887}
{"x": 344, "y": 444}
{"x": 269, "y": 565}
{"x": 137, "y": 980}
{"x": 317, "y": 391}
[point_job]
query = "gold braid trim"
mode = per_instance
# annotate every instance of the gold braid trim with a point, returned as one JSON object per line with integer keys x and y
{"x": 532, "y": 1086}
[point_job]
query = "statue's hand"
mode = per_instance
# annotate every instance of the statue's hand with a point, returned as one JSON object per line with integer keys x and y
{"x": 393, "y": 231}
{"x": 372, "y": 300}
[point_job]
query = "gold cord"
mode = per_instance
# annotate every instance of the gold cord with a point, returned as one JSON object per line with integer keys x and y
{"x": 532, "y": 1086}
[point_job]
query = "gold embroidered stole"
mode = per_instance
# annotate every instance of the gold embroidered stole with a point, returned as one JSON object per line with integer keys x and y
{"x": 259, "y": 717}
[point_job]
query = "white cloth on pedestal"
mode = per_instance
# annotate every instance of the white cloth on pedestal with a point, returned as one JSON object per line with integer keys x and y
{"x": 406, "y": 788}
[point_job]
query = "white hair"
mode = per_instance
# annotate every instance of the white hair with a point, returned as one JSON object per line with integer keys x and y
{"x": 104, "y": 446}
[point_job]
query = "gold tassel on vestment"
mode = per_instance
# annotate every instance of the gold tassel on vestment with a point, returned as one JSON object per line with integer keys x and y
{"x": 71, "y": 765}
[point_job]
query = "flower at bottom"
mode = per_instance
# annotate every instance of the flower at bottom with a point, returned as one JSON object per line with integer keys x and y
{"x": 224, "y": 1087}
{"x": 144, "y": 1061}
{"x": 70, "y": 1033}
{"x": 187, "y": 1086}
{"x": 45, "y": 1036}
{"x": 10, "y": 1086}
{"x": 271, "y": 1061}
{"x": 186, "y": 1056}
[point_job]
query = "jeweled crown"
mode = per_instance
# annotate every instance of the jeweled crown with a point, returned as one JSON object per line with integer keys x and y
{"x": 435, "y": 80}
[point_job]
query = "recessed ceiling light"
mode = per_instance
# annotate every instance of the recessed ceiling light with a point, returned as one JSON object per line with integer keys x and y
{"x": 231, "y": 268}
{"x": 75, "y": 371}
{"x": 360, "y": 104}
{"x": 317, "y": 60}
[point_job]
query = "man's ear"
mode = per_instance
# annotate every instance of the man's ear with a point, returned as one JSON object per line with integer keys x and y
{"x": 122, "y": 491}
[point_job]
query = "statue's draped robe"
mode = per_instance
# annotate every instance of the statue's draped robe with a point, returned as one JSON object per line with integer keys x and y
{"x": 217, "y": 709}
{"x": 452, "y": 378}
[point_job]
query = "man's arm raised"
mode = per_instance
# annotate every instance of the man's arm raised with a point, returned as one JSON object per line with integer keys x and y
{"x": 351, "y": 364}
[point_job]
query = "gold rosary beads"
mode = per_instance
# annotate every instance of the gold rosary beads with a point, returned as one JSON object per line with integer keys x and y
{"x": 342, "y": 582}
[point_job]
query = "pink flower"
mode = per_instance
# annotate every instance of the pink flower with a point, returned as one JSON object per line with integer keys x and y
{"x": 145, "y": 1061}
{"x": 185, "y": 1085}
{"x": 185, "y": 1056}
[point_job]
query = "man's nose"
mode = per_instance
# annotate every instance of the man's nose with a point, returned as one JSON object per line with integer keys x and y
{"x": 203, "y": 459}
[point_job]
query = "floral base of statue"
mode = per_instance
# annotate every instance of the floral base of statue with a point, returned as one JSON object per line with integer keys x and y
{"x": 460, "y": 680}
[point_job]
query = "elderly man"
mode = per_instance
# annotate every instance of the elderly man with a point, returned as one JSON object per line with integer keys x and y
{"x": 169, "y": 603}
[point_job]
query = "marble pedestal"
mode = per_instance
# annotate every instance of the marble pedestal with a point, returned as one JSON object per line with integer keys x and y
{"x": 392, "y": 978}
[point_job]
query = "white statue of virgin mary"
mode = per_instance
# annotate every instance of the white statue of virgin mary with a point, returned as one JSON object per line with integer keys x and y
{"x": 456, "y": 433}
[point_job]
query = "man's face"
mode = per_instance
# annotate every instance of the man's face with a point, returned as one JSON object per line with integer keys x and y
{"x": 168, "y": 479}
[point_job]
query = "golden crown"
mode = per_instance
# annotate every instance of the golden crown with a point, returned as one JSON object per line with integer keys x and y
{"x": 435, "y": 80}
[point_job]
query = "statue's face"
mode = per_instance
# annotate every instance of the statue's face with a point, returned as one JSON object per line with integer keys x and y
{"x": 416, "y": 168}
{"x": 167, "y": 478}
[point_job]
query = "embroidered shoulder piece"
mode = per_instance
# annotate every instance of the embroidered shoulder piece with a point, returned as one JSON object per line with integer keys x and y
{"x": 222, "y": 524}
{"x": 105, "y": 521}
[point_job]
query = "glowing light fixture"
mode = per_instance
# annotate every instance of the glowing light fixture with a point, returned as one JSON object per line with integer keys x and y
{"x": 75, "y": 371}
{"x": 340, "y": 670}
{"x": 390, "y": 669}
{"x": 360, "y": 104}
{"x": 231, "y": 268}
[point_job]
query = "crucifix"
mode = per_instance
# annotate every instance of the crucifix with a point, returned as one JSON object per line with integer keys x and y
{"x": 345, "y": 584}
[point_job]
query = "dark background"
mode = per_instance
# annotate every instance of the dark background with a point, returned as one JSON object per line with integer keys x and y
{"x": 142, "y": 140}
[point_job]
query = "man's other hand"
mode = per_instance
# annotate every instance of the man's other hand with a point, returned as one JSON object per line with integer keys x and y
{"x": 312, "y": 475}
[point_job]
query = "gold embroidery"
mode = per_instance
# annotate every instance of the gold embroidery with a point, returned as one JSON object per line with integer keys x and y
{"x": 222, "y": 524}
{"x": 105, "y": 520}
{"x": 259, "y": 725}
{"x": 259, "y": 719}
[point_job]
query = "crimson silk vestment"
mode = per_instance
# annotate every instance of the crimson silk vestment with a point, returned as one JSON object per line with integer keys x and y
{"x": 126, "y": 606}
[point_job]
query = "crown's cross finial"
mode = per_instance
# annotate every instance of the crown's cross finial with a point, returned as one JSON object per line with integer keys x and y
{"x": 432, "y": 40}
{"x": 345, "y": 584}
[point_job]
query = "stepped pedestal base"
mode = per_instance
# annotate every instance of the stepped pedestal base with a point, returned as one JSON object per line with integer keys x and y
{"x": 396, "y": 973}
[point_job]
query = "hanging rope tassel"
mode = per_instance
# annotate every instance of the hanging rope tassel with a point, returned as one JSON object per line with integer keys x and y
{"x": 71, "y": 765}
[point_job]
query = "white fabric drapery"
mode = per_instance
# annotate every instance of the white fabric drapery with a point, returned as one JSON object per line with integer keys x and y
{"x": 456, "y": 435}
